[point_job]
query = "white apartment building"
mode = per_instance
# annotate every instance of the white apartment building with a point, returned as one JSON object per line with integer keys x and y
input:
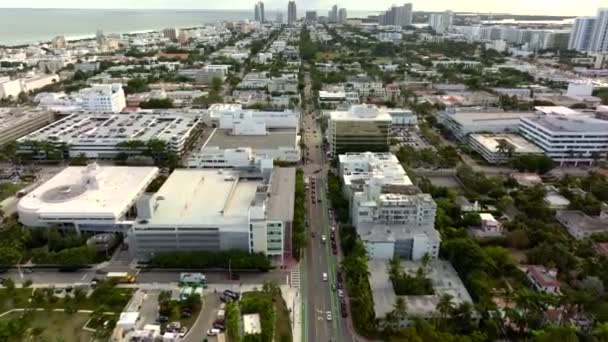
{"x": 390, "y": 214}
{"x": 103, "y": 98}
{"x": 36, "y": 82}
{"x": 441, "y": 22}
{"x": 227, "y": 115}
{"x": 207, "y": 73}
{"x": 599, "y": 39}
{"x": 566, "y": 137}
{"x": 582, "y": 33}
{"x": 241, "y": 135}
{"x": 14, "y": 87}
{"x": 250, "y": 212}
{"x": 9, "y": 88}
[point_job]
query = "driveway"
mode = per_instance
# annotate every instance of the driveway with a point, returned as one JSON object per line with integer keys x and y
{"x": 208, "y": 314}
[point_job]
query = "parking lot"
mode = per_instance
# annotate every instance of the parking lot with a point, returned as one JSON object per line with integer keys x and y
{"x": 409, "y": 136}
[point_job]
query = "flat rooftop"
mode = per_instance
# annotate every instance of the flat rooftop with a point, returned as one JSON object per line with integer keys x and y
{"x": 13, "y": 117}
{"x": 571, "y": 124}
{"x": 85, "y": 192}
{"x": 361, "y": 113}
{"x": 275, "y": 139}
{"x": 492, "y": 141}
{"x": 391, "y": 233}
{"x": 111, "y": 128}
{"x": 582, "y": 221}
{"x": 443, "y": 276}
{"x": 282, "y": 194}
{"x": 484, "y": 118}
{"x": 195, "y": 197}
{"x": 251, "y": 324}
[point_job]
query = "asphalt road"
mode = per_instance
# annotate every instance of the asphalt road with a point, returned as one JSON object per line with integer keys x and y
{"x": 52, "y": 276}
{"x": 318, "y": 296}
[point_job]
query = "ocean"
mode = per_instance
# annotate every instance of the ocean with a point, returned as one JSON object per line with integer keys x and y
{"x": 25, "y": 26}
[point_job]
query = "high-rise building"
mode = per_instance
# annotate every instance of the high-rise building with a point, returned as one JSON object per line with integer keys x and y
{"x": 256, "y": 12}
{"x": 291, "y": 12}
{"x": 262, "y": 14}
{"x": 342, "y": 15}
{"x": 279, "y": 17}
{"x": 259, "y": 14}
{"x": 333, "y": 14}
{"x": 408, "y": 14}
{"x": 99, "y": 36}
{"x": 171, "y": 33}
{"x": 599, "y": 40}
{"x": 397, "y": 16}
{"x": 582, "y": 32}
{"x": 311, "y": 16}
{"x": 441, "y": 22}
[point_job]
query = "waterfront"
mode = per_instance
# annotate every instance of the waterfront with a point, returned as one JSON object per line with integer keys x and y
{"x": 26, "y": 26}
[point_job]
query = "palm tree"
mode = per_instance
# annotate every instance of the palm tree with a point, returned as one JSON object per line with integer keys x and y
{"x": 445, "y": 307}
{"x": 394, "y": 268}
{"x": 463, "y": 314}
{"x": 400, "y": 308}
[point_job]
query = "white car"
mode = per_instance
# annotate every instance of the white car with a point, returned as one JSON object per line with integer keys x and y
{"x": 182, "y": 332}
{"x": 340, "y": 293}
{"x": 329, "y": 315}
{"x": 324, "y": 276}
{"x": 213, "y": 332}
{"x": 323, "y": 238}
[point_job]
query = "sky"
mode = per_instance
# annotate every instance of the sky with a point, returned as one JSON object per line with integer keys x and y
{"x": 542, "y": 7}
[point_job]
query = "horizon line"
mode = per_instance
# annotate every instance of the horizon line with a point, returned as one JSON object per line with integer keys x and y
{"x": 271, "y": 9}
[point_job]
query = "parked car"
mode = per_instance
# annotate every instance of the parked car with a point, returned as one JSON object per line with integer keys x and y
{"x": 213, "y": 332}
{"x": 219, "y": 326}
{"x": 183, "y": 331}
{"x": 233, "y": 295}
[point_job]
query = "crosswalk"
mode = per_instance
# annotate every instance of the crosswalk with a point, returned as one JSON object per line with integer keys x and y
{"x": 295, "y": 278}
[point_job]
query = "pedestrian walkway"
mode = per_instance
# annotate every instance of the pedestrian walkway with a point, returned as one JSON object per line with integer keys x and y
{"x": 295, "y": 278}
{"x": 293, "y": 301}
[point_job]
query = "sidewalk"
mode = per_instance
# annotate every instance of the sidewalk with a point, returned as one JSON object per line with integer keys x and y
{"x": 293, "y": 301}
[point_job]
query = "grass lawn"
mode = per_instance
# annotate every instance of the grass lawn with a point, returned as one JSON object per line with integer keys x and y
{"x": 9, "y": 189}
{"x": 19, "y": 298}
{"x": 55, "y": 326}
{"x": 282, "y": 323}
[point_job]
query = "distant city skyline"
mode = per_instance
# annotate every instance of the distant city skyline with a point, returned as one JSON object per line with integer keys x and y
{"x": 538, "y": 7}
